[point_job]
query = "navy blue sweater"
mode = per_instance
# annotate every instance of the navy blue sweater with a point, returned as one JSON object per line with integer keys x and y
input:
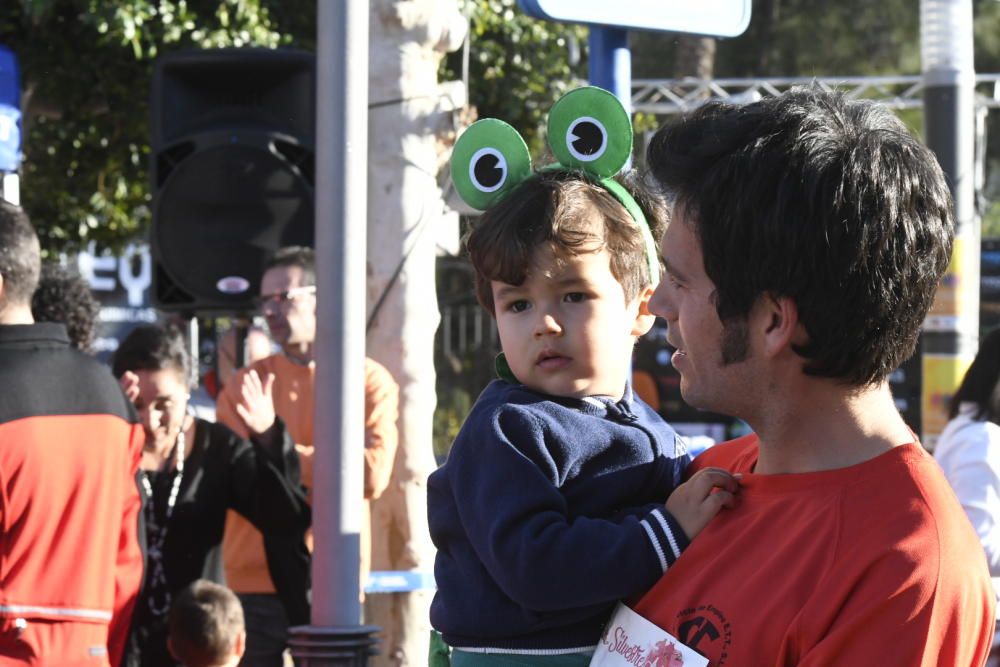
{"x": 547, "y": 511}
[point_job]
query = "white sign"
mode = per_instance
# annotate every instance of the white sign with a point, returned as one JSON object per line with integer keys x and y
{"x": 629, "y": 639}
{"x": 133, "y": 270}
{"x": 718, "y": 18}
{"x": 121, "y": 284}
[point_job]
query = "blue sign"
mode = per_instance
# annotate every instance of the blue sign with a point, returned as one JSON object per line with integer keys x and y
{"x": 718, "y": 18}
{"x": 10, "y": 111}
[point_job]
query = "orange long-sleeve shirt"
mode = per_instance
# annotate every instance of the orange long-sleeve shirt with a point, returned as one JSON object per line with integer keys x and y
{"x": 293, "y": 392}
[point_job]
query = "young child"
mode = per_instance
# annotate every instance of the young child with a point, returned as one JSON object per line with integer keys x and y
{"x": 206, "y": 626}
{"x": 550, "y": 507}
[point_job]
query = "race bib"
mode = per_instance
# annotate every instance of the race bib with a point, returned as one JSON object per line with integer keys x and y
{"x": 629, "y": 639}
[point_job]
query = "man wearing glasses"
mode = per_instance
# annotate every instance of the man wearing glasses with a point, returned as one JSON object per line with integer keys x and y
{"x": 271, "y": 576}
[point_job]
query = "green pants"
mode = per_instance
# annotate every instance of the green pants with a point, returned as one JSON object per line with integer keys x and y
{"x": 441, "y": 655}
{"x": 466, "y": 659}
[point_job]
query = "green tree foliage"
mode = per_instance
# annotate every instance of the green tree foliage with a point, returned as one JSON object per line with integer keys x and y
{"x": 825, "y": 38}
{"x": 518, "y": 66}
{"x": 86, "y": 69}
{"x": 790, "y": 38}
{"x": 987, "y": 46}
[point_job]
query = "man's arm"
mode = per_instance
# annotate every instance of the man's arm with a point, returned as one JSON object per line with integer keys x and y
{"x": 922, "y": 597}
{"x": 381, "y": 435}
{"x": 919, "y": 623}
{"x": 128, "y": 567}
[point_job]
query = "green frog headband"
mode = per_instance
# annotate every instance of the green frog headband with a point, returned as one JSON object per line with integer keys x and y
{"x": 588, "y": 130}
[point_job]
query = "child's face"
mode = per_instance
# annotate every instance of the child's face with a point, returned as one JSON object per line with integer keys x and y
{"x": 567, "y": 331}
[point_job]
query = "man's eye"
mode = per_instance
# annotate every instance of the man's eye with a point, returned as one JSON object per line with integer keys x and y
{"x": 518, "y": 306}
{"x": 574, "y": 297}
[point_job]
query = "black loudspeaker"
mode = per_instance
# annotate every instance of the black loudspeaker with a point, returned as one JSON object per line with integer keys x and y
{"x": 233, "y": 137}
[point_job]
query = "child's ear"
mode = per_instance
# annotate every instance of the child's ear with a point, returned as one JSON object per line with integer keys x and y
{"x": 240, "y": 645}
{"x": 643, "y": 319}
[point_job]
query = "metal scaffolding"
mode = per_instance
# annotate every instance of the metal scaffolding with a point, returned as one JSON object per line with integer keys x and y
{"x": 672, "y": 96}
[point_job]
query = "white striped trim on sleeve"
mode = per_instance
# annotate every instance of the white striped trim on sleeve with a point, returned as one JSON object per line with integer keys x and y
{"x": 670, "y": 535}
{"x": 656, "y": 544}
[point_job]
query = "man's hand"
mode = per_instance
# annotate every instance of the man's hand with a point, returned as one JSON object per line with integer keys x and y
{"x": 256, "y": 405}
{"x": 129, "y": 383}
{"x": 696, "y": 501}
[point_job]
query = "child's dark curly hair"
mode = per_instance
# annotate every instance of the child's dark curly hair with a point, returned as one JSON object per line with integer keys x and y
{"x": 64, "y": 296}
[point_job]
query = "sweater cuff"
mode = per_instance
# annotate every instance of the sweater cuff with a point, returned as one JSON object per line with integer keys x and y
{"x": 665, "y": 535}
{"x": 272, "y": 441}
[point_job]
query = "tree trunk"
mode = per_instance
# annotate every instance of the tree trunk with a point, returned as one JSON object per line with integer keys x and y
{"x": 770, "y": 12}
{"x": 695, "y": 57}
{"x": 408, "y": 40}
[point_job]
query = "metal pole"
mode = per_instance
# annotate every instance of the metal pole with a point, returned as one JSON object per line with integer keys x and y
{"x": 336, "y": 636}
{"x": 193, "y": 347}
{"x": 951, "y": 331}
{"x": 241, "y": 327}
{"x": 611, "y": 62}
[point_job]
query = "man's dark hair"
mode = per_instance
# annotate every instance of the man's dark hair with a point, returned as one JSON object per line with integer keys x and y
{"x": 64, "y": 296}
{"x": 981, "y": 384}
{"x": 557, "y": 207}
{"x": 204, "y": 622}
{"x": 20, "y": 256}
{"x": 829, "y": 202}
{"x": 295, "y": 255}
{"x": 153, "y": 347}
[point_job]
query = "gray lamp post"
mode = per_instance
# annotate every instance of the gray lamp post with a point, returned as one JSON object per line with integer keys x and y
{"x": 952, "y": 328}
{"x": 336, "y": 636}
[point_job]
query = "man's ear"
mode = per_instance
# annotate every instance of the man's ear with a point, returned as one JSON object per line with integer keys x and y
{"x": 643, "y": 319}
{"x": 777, "y": 320}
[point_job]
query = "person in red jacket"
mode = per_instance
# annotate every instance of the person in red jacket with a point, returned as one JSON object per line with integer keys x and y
{"x": 70, "y": 561}
{"x": 808, "y": 237}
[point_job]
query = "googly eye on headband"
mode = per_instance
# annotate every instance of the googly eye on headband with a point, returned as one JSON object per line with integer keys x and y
{"x": 588, "y": 130}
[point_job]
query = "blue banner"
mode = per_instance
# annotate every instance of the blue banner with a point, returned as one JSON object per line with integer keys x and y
{"x": 10, "y": 111}
{"x": 399, "y": 581}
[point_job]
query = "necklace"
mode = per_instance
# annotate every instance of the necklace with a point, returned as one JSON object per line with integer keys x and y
{"x": 158, "y": 598}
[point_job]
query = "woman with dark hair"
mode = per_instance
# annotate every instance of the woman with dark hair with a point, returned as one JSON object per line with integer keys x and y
{"x": 191, "y": 473}
{"x": 969, "y": 453}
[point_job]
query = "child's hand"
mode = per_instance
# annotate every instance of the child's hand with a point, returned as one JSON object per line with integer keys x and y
{"x": 696, "y": 501}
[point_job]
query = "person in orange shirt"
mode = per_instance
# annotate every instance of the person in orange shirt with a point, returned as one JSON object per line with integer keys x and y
{"x": 256, "y": 345}
{"x": 271, "y": 577}
{"x": 808, "y": 237}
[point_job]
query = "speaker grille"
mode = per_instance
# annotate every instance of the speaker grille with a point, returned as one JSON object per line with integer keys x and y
{"x": 223, "y": 210}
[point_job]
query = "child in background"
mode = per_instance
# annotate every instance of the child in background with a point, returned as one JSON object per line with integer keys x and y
{"x": 550, "y": 507}
{"x": 206, "y": 626}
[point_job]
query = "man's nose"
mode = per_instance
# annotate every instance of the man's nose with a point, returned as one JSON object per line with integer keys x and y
{"x": 661, "y": 303}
